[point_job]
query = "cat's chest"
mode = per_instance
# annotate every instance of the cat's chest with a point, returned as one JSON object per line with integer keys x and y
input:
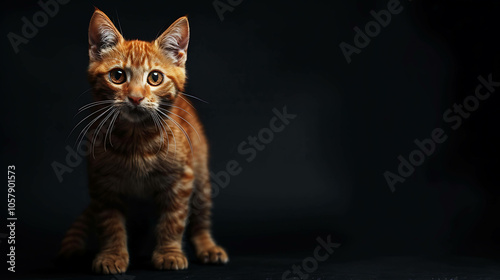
{"x": 132, "y": 185}
{"x": 136, "y": 173}
{"x": 138, "y": 164}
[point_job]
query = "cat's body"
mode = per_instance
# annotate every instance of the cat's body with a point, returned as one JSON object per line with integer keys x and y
{"x": 155, "y": 147}
{"x": 140, "y": 164}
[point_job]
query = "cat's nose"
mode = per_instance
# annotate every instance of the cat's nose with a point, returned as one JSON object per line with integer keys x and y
{"x": 135, "y": 100}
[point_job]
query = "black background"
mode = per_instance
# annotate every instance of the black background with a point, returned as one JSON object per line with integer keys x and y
{"x": 323, "y": 175}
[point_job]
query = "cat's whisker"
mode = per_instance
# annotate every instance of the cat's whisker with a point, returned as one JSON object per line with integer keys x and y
{"x": 110, "y": 127}
{"x": 171, "y": 131}
{"x": 163, "y": 128}
{"x": 173, "y": 106}
{"x": 95, "y": 112}
{"x": 159, "y": 31}
{"x": 83, "y": 133}
{"x": 93, "y": 104}
{"x": 119, "y": 25}
{"x": 155, "y": 121}
{"x": 164, "y": 132}
{"x": 161, "y": 134}
{"x": 192, "y": 96}
{"x": 199, "y": 138}
{"x": 181, "y": 128}
{"x": 87, "y": 127}
{"x": 99, "y": 127}
{"x": 80, "y": 95}
{"x": 84, "y": 107}
{"x": 187, "y": 101}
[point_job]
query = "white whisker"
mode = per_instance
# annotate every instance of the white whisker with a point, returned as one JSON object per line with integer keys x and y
{"x": 187, "y": 101}
{"x": 97, "y": 111}
{"x": 112, "y": 126}
{"x": 90, "y": 105}
{"x": 181, "y": 128}
{"x": 87, "y": 127}
{"x": 111, "y": 123}
{"x": 99, "y": 127}
{"x": 199, "y": 138}
{"x": 173, "y": 106}
{"x": 192, "y": 96}
{"x": 171, "y": 131}
{"x": 163, "y": 128}
{"x": 80, "y": 95}
{"x": 159, "y": 130}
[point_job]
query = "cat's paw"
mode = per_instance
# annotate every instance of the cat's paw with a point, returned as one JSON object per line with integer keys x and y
{"x": 171, "y": 260}
{"x": 110, "y": 263}
{"x": 214, "y": 254}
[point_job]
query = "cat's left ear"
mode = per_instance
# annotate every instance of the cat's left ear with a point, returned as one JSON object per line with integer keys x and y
{"x": 175, "y": 40}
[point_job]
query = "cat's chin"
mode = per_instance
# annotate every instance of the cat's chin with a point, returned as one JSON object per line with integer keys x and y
{"x": 136, "y": 115}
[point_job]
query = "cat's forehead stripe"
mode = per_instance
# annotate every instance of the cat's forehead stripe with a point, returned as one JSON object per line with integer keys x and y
{"x": 140, "y": 55}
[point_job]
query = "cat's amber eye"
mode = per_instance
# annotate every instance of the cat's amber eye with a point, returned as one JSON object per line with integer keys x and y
{"x": 117, "y": 76}
{"x": 155, "y": 78}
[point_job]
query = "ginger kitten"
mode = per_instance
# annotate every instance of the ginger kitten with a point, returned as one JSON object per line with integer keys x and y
{"x": 155, "y": 147}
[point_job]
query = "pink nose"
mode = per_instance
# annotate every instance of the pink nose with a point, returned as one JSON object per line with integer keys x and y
{"x": 135, "y": 100}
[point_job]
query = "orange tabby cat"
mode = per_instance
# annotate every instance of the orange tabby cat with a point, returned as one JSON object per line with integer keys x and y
{"x": 155, "y": 147}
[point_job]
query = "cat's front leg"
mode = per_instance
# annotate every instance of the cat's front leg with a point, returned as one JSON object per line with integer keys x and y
{"x": 174, "y": 207}
{"x": 113, "y": 257}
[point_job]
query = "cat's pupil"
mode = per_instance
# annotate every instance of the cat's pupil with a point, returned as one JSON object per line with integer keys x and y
{"x": 118, "y": 74}
{"x": 155, "y": 77}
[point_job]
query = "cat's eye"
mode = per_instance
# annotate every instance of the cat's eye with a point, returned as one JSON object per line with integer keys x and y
{"x": 155, "y": 78}
{"x": 117, "y": 76}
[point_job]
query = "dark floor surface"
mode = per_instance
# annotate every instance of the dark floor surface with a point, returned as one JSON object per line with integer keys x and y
{"x": 268, "y": 267}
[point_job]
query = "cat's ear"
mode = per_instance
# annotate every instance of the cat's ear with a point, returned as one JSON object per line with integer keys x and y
{"x": 175, "y": 40}
{"x": 102, "y": 34}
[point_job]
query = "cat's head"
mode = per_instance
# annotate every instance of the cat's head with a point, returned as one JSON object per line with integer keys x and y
{"x": 136, "y": 76}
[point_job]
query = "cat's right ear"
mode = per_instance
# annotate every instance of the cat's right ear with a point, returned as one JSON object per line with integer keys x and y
{"x": 102, "y": 34}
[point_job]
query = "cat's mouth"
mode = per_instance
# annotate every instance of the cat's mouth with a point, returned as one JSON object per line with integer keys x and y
{"x": 135, "y": 113}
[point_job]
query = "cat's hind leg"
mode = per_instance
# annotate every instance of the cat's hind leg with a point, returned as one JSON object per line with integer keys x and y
{"x": 207, "y": 250}
{"x": 74, "y": 241}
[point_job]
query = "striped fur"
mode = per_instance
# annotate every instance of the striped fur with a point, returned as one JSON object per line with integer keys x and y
{"x": 145, "y": 153}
